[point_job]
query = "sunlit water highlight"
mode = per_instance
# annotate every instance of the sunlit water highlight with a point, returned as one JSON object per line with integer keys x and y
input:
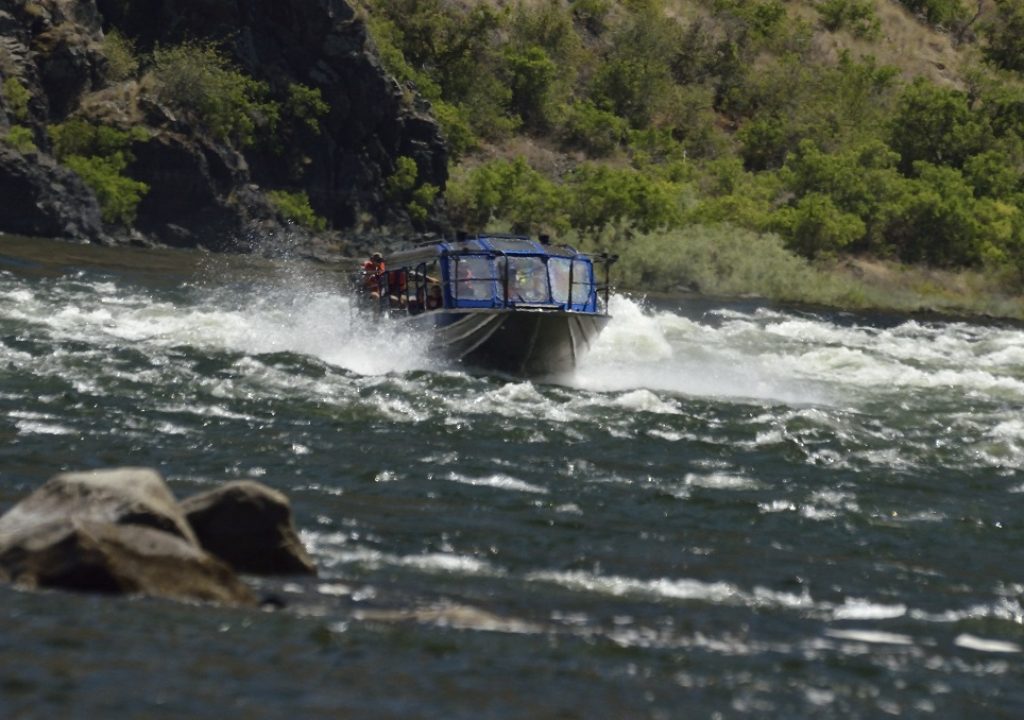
{"x": 730, "y": 509}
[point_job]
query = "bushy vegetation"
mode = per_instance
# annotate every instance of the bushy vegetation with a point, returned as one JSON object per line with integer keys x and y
{"x": 20, "y": 138}
{"x": 198, "y": 80}
{"x": 295, "y": 207}
{"x": 122, "y": 61}
{"x": 100, "y": 155}
{"x": 16, "y": 98}
{"x": 675, "y": 119}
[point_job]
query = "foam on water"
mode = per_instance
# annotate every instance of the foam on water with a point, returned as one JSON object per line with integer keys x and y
{"x": 260, "y": 319}
{"x": 771, "y": 356}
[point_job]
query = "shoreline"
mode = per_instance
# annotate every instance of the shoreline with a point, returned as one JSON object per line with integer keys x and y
{"x": 878, "y": 286}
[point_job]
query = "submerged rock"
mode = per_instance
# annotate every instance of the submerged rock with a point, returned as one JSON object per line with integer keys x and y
{"x": 249, "y": 526}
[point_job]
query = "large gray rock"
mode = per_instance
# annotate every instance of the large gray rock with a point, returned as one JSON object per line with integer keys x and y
{"x": 249, "y": 526}
{"x": 91, "y": 556}
{"x": 115, "y": 531}
{"x": 123, "y": 496}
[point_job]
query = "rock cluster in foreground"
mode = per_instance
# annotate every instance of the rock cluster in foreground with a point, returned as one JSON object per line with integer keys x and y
{"x": 121, "y": 531}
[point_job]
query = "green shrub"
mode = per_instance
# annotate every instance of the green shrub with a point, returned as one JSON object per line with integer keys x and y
{"x": 939, "y": 222}
{"x": 422, "y": 201}
{"x": 20, "y": 138}
{"x": 16, "y": 97}
{"x": 199, "y": 81}
{"x": 1004, "y": 34}
{"x": 857, "y": 16}
{"x": 295, "y": 207}
{"x": 80, "y": 137}
{"x": 939, "y": 12}
{"x": 936, "y": 125}
{"x": 503, "y": 190}
{"x": 122, "y": 62}
{"x": 593, "y": 14}
{"x": 118, "y": 195}
{"x": 635, "y": 79}
{"x": 599, "y": 196}
{"x": 815, "y": 227}
{"x": 530, "y": 77}
{"x": 596, "y": 131}
{"x": 99, "y": 154}
{"x": 717, "y": 260}
{"x": 402, "y": 181}
{"x": 305, "y": 106}
{"x": 455, "y": 124}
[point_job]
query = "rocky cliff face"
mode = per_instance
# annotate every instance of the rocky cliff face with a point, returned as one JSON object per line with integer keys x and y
{"x": 204, "y": 191}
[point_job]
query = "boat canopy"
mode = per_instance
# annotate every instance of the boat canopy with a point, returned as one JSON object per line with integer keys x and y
{"x": 496, "y": 271}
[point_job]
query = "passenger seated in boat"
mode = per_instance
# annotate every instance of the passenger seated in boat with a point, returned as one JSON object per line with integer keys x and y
{"x": 373, "y": 274}
{"x": 473, "y": 280}
{"x": 435, "y": 299}
{"x": 397, "y": 288}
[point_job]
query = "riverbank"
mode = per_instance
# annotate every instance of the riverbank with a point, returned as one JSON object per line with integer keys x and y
{"x": 726, "y": 269}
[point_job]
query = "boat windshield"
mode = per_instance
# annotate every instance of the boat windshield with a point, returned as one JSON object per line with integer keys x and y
{"x": 487, "y": 280}
{"x": 527, "y": 280}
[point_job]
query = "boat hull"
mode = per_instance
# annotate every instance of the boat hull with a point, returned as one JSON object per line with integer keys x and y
{"x": 520, "y": 342}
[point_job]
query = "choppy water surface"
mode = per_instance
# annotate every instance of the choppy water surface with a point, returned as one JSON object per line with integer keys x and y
{"x": 728, "y": 510}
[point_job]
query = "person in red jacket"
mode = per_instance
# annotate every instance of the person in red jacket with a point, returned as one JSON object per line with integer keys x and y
{"x": 373, "y": 275}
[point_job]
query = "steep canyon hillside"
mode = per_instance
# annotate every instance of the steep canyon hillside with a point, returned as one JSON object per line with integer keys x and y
{"x": 184, "y": 122}
{"x": 690, "y": 136}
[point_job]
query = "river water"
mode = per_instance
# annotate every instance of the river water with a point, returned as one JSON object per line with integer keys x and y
{"x": 729, "y": 510}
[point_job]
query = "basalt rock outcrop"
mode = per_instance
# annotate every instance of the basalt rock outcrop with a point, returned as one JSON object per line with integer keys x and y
{"x": 249, "y": 526}
{"x": 121, "y": 531}
{"x": 204, "y": 190}
{"x": 43, "y": 198}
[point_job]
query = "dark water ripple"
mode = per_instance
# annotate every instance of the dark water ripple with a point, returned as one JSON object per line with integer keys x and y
{"x": 727, "y": 512}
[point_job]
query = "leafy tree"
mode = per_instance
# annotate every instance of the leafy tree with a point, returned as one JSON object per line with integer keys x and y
{"x": 814, "y": 226}
{"x": 857, "y": 16}
{"x": 993, "y": 174}
{"x": 1005, "y": 35}
{"x": 939, "y": 12}
{"x": 599, "y": 195}
{"x": 862, "y": 181}
{"x": 936, "y": 125}
{"x": 598, "y": 132}
{"x": 530, "y": 76}
{"x": 938, "y": 223}
{"x": 635, "y": 81}
{"x": 506, "y": 190}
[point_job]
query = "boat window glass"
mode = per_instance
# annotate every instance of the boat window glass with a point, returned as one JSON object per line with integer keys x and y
{"x": 527, "y": 280}
{"x": 582, "y": 283}
{"x": 472, "y": 277}
{"x": 558, "y": 273}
